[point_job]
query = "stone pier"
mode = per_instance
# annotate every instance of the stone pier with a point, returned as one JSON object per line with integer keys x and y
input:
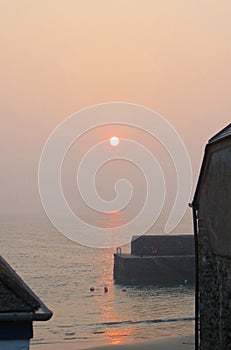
{"x": 156, "y": 260}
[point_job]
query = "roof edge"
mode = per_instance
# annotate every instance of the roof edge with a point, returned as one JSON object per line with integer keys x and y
{"x": 226, "y": 131}
{"x": 212, "y": 146}
{"x": 25, "y": 316}
{"x": 41, "y": 314}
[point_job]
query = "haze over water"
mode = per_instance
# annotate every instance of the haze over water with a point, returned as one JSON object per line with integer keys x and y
{"x": 63, "y": 280}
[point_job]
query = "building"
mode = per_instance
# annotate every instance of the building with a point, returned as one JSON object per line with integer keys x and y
{"x": 156, "y": 260}
{"x": 19, "y": 307}
{"x": 212, "y": 226}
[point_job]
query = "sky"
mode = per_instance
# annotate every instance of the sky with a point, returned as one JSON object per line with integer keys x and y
{"x": 57, "y": 57}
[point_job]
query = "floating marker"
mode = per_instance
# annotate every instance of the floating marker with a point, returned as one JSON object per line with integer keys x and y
{"x": 105, "y": 289}
{"x": 124, "y": 289}
{"x": 92, "y": 289}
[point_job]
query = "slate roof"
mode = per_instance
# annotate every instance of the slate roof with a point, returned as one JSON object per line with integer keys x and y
{"x": 17, "y": 299}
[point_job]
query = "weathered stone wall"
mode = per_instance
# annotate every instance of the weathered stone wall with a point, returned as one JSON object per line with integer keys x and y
{"x": 157, "y": 260}
{"x": 162, "y": 245}
{"x": 215, "y": 201}
{"x": 158, "y": 270}
{"x": 215, "y": 295}
{"x": 214, "y": 214}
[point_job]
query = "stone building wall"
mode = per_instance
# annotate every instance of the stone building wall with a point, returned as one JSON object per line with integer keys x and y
{"x": 212, "y": 225}
{"x": 215, "y": 295}
{"x": 214, "y": 209}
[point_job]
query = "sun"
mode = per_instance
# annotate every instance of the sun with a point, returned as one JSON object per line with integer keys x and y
{"x": 114, "y": 141}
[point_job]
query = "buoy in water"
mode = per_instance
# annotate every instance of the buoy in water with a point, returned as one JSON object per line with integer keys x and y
{"x": 105, "y": 289}
{"x": 92, "y": 289}
{"x": 124, "y": 289}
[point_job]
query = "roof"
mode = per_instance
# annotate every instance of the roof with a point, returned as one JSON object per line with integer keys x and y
{"x": 221, "y": 134}
{"x": 17, "y": 300}
{"x": 220, "y": 140}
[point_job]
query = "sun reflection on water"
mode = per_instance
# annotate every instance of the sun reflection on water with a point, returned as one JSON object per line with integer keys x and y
{"x": 108, "y": 303}
{"x": 110, "y": 316}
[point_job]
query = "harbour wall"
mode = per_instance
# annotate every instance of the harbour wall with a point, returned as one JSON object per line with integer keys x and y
{"x": 157, "y": 260}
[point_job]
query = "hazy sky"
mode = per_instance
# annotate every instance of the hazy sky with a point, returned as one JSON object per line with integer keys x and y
{"x": 173, "y": 56}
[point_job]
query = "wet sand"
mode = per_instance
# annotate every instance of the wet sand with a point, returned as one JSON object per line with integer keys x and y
{"x": 185, "y": 342}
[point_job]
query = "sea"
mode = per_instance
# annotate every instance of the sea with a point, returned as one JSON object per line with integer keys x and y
{"x": 61, "y": 273}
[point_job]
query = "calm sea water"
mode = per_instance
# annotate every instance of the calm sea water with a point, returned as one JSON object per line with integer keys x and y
{"x": 61, "y": 273}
